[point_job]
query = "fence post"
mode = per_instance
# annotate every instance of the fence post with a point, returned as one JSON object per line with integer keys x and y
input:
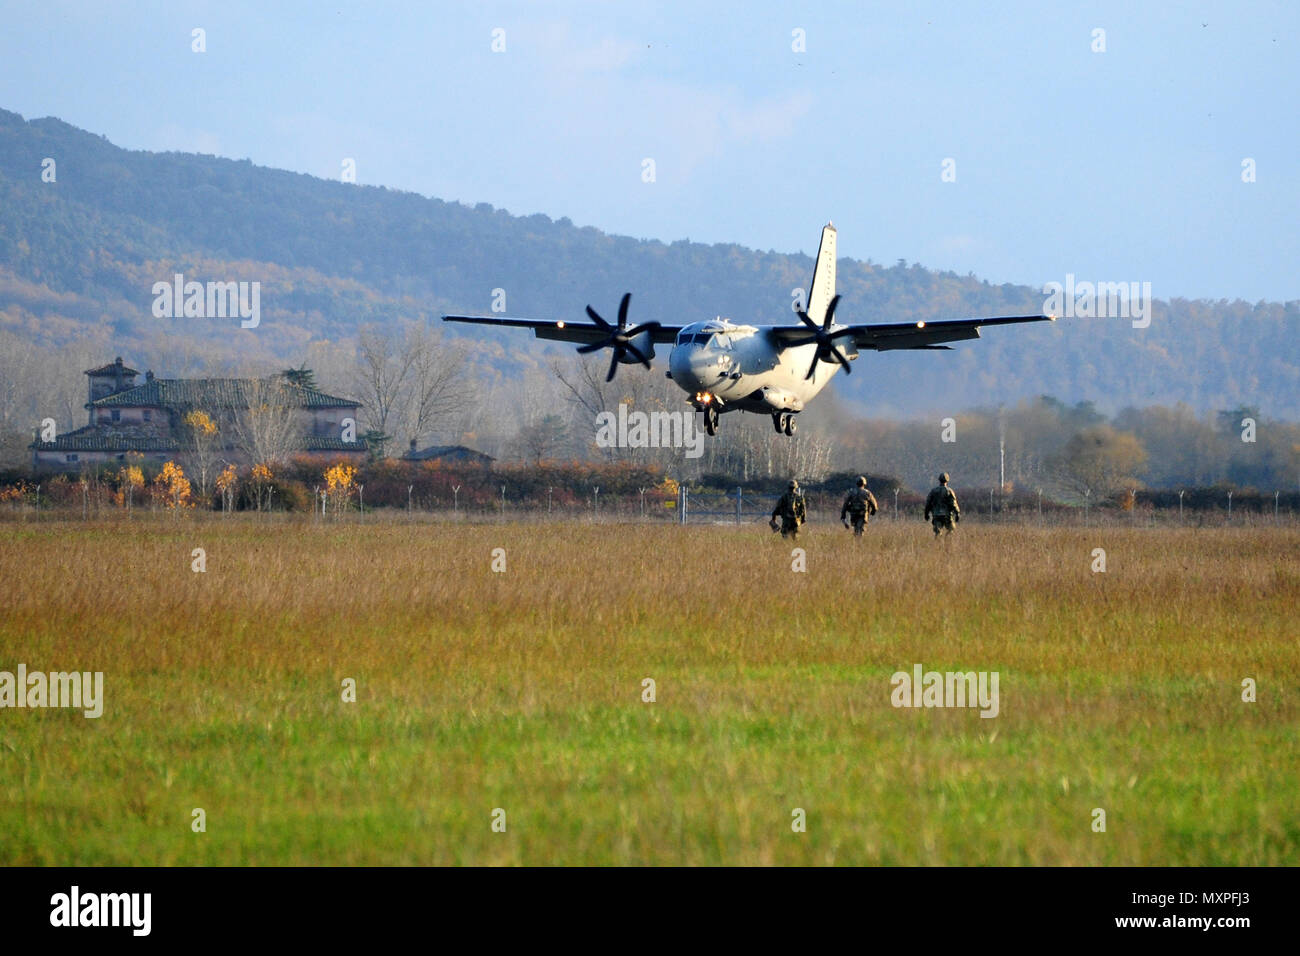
{"x": 739, "y": 498}
{"x": 681, "y": 505}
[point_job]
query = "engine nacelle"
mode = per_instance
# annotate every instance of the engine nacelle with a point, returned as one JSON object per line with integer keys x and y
{"x": 643, "y": 343}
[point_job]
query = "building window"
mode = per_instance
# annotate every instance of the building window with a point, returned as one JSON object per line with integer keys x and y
{"x": 117, "y": 415}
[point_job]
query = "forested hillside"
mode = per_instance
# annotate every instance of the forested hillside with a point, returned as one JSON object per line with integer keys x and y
{"x": 79, "y": 257}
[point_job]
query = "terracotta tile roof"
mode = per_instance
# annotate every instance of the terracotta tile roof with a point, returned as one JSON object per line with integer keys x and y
{"x": 92, "y": 438}
{"x": 212, "y": 393}
{"x": 314, "y": 443}
{"x": 102, "y": 438}
{"x": 111, "y": 368}
{"x": 449, "y": 452}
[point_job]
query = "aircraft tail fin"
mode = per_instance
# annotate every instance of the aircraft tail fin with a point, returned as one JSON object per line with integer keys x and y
{"x": 823, "y": 282}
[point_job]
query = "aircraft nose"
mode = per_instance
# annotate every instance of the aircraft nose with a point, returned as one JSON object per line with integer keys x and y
{"x": 695, "y": 369}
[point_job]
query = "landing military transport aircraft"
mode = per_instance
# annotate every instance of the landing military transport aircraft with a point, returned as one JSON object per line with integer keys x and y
{"x": 772, "y": 369}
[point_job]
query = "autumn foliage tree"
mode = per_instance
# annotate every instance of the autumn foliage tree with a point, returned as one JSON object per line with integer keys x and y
{"x": 172, "y": 487}
{"x": 202, "y": 444}
{"x": 261, "y": 482}
{"x": 1098, "y": 462}
{"x": 129, "y": 478}
{"x": 339, "y": 482}
{"x": 226, "y": 483}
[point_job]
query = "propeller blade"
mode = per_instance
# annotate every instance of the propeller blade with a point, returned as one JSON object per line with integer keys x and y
{"x": 595, "y": 317}
{"x": 841, "y": 359}
{"x": 637, "y": 354}
{"x": 622, "y": 310}
{"x": 813, "y": 367}
{"x": 613, "y": 364}
{"x": 643, "y": 327}
{"x": 830, "y": 313}
{"x": 803, "y": 317}
{"x": 593, "y": 347}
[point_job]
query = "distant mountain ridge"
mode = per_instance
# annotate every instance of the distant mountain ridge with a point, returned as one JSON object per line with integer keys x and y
{"x": 79, "y": 257}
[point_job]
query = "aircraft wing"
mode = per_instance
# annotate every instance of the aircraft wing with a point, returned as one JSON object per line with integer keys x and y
{"x": 581, "y": 333}
{"x": 910, "y": 335}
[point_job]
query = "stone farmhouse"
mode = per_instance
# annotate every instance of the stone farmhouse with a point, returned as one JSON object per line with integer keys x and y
{"x": 146, "y": 419}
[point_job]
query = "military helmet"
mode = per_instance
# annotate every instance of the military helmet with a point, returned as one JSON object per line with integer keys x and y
{"x": 862, "y": 481}
{"x": 943, "y": 478}
{"x": 793, "y": 484}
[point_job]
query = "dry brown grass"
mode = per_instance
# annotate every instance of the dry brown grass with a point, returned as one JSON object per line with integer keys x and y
{"x": 522, "y": 690}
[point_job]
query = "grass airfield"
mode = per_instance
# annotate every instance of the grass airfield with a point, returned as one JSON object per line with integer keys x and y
{"x": 522, "y": 690}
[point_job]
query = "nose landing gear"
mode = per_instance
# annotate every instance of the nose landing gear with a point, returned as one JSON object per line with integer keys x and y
{"x": 783, "y": 422}
{"x": 711, "y": 415}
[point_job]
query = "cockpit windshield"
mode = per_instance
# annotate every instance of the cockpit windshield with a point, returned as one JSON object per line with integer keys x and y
{"x": 686, "y": 337}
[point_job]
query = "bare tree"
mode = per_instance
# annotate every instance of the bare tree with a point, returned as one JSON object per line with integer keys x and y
{"x": 383, "y": 370}
{"x": 543, "y": 438}
{"x": 18, "y": 388}
{"x": 437, "y": 374}
{"x": 408, "y": 383}
{"x": 590, "y": 395}
{"x": 268, "y": 427}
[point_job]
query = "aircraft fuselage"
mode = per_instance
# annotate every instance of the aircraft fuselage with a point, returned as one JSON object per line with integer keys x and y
{"x": 743, "y": 367}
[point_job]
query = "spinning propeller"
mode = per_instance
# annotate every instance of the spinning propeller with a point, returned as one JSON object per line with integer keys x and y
{"x": 620, "y": 338}
{"x": 825, "y": 339}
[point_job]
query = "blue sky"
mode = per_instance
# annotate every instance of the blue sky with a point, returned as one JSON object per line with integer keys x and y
{"x": 1124, "y": 165}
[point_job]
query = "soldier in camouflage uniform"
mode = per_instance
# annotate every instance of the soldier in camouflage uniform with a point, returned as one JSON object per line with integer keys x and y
{"x": 941, "y": 507}
{"x": 792, "y": 511}
{"x": 859, "y": 504}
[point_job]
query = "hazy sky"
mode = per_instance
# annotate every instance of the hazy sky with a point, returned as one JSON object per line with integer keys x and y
{"x": 1118, "y": 165}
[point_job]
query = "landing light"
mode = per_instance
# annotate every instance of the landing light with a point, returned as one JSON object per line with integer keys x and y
{"x": 920, "y": 325}
{"x": 560, "y": 324}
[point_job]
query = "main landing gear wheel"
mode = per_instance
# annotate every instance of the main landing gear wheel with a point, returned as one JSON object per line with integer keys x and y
{"x": 711, "y": 419}
{"x": 783, "y": 423}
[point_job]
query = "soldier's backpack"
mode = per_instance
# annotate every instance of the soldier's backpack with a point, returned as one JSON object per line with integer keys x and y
{"x": 945, "y": 503}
